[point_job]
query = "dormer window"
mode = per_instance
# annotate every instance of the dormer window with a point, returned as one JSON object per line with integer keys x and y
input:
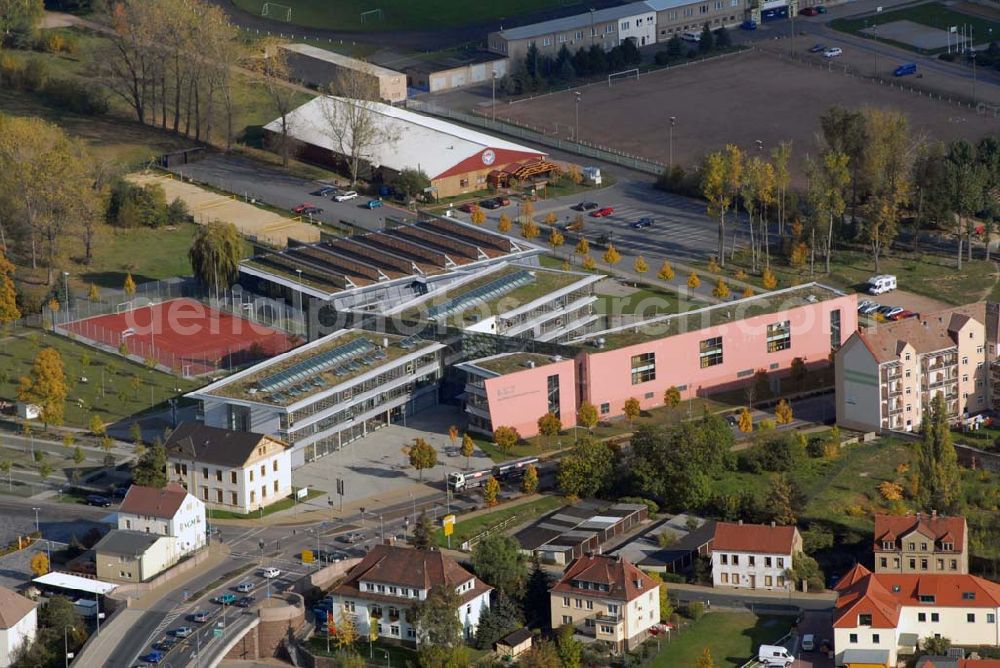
{"x": 896, "y": 589}
{"x": 864, "y": 620}
{"x": 911, "y": 546}
{"x": 968, "y": 596}
{"x": 948, "y": 546}
{"x": 926, "y": 598}
{"x": 888, "y": 544}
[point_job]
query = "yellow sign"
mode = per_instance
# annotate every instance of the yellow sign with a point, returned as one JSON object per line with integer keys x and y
{"x": 307, "y": 556}
{"x": 449, "y": 524}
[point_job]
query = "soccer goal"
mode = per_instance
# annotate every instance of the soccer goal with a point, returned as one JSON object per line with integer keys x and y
{"x": 124, "y": 307}
{"x": 624, "y": 74}
{"x": 370, "y": 15}
{"x": 277, "y": 11}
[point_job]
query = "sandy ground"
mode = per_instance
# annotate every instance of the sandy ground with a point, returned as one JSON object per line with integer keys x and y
{"x": 734, "y": 100}
{"x": 909, "y": 301}
{"x": 250, "y": 220}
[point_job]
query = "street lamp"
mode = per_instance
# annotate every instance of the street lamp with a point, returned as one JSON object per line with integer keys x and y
{"x": 494, "y": 113}
{"x": 66, "y": 289}
{"x": 878, "y": 10}
{"x": 386, "y": 651}
{"x": 673, "y": 122}
{"x": 68, "y": 654}
{"x": 37, "y": 528}
{"x": 760, "y": 144}
{"x": 576, "y": 130}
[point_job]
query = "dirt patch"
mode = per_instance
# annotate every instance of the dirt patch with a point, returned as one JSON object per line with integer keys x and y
{"x": 910, "y": 301}
{"x": 613, "y": 288}
{"x": 252, "y": 221}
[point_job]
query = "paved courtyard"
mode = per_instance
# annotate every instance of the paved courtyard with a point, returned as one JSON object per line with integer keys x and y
{"x": 915, "y": 34}
{"x": 377, "y": 465}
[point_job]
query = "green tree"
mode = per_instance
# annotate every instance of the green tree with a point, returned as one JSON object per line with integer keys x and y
{"x": 938, "y": 477}
{"x": 78, "y": 456}
{"x": 411, "y": 182}
{"x": 529, "y": 484}
{"x": 935, "y": 645}
{"x": 498, "y": 561}
{"x": 828, "y": 181}
{"x": 707, "y": 42}
{"x": 45, "y": 386}
{"x": 497, "y": 621}
{"x": 423, "y": 532}
{"x": 536, "y": 594}
{"x": 672, "y": 397}
{"x": 631, "y": 410}
{"x": 44, "y": 471}
{"x": 439, "y": 629}
{"x": 966, "y": 182}
{"x": 805, "y": 569}
{"x": 506, "y": 438}
{"x": 422, "y": 456}
{"x": 542, "y": 654}
{"x": 887, "y": 169}
{"x": 468, "y": 449}
{"x": 215, "y": 254}
{"x": 19, "y": 20}
{"x": 586, "y": 415}
{"x": 151, "y": 470}
{"x": 491, "y": 492}
{"x": 9, "y": 312}
{"x": 779, "y": 501}
{"x": 6, "y": 466}
{"x": 586, "y": 470}
{"x": 549, "y": 425}
{"x": 568, "y": 647}
{"x": 666, "y": 607}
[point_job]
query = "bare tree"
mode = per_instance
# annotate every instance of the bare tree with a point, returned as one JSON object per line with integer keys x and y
{"x": 271, "y": 67}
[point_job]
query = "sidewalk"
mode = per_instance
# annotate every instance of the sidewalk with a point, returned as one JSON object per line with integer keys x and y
{"x": 756, "y": 594}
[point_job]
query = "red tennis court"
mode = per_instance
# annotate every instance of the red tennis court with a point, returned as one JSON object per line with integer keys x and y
{"x": 185, "y": 335}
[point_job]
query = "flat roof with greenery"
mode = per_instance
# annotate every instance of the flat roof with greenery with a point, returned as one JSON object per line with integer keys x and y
{"x": 711, "y": 316}
{"x": 506, "y": 363}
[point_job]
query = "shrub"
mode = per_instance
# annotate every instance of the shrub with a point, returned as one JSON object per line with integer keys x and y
{"x": 73, "y": 95}
{"x": 649, "y": 503}
{"x": 694, "y": 610}
{"x": 11, "y": 70}
{"x": 35, "y": 75}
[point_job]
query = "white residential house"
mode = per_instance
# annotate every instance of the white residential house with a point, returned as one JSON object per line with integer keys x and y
{"x": 881, "y": 616}
{"x": 390, "y": 580}
{"x": 753, "y": 556}
{"x": 238, "y": 471}
{"x": 18, "y": 624}
{"x": 170, "y": 511}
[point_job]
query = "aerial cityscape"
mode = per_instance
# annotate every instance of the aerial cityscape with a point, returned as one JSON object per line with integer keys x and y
{"x": 548, "y": 333}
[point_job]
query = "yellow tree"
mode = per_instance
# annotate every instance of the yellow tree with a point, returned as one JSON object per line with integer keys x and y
{"x": 556, "y": 239}
{"x": 506, "y": 437}
{"x": 478, "y": 216}
{"x": 529, "y": 484}
{"x": 746, "y": 421}
{"x": 631, "y": 409}
{"x": 39, "y": 564}
{"x": 721, "y": 290}
{"x": 640, "y": 266}
{"x": 93, "y": 294}
{"x": 722, "y": 175}
{"x": 586, "y": 415}
{"x": 783, "y": 412}
{"x": 96, "y": 426}
{"x": 549, "y": 425}
{"x": 527, "y": 211}
{"x": 589, "y": 264}
{"x": 8, "y": 295}
{"x": 666, "y": 271}
{"x": 672, "y": 397}
{"x": 530, "y": 230}
{"x": 491, "y": 490}
{"x": 611, "y": 257}
{"x": 45, "y": 386}
{"x": 453, "y": 435}
{"x": 422, "y": 456}
{"x": 747, "y": 292}
{"x": 347, "y": 632}
{"x": 768, "y": 279}
{"x": 504, "y": 225}
{"x": 129, "y": 285}
{"x": 582, "y": 247}
{"x": 468, "y": 448}
{"x": 550, "y": 218}
{"x": 693, "y": 281}
{"x": 705, "y": 659}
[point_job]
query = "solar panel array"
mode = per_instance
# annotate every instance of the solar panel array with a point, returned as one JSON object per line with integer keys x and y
{"x": 377, "y": 257}
{"x": 450, "y": 246}
{"x": 478, "y": 237}
{"x": 491, "y": 290}
{"x": 410, "y": 342}
{"x": 305, "y": 372}
{"x": 406, "y": 247}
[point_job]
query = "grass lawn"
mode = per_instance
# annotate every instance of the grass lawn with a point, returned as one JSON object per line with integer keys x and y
{"x": 933, "y": 14}
{"x": 149, "y": 254}
{"x": 733, "y": 638}
{"x": 466, "y": 529}
{"x": 284, "y": 504}
{"x": 396, "y": 14}
{"x": 115, "y": 387}
{"x": 930, "y": 275}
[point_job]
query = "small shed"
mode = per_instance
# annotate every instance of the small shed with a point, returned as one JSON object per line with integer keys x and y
{"x": 864, "y": 658}
{"x": 515, "y": 644}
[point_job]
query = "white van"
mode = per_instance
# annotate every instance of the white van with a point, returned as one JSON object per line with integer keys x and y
{"x": 691, "y": 36}
{"x": 881, "y": 283}
{"x": 774, "y": 656}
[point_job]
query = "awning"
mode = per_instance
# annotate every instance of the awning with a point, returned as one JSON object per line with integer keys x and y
{"x": 75, "y": 583}
{"x": 908, "y": 640}
{"x": 865, "y": 657}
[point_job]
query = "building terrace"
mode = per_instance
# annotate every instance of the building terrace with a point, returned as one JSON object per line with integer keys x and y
{"x": 506, "y": 363}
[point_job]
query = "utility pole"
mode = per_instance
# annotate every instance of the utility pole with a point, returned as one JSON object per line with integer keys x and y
{"x": 673, "y": 122}
{"x": 576, "y": 129}
{"x": 878, "y": 10}
{"x": 494, "y": 113}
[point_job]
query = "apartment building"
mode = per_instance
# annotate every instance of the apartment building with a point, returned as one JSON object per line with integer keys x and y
{"x": 390, "y": 580}
{"x": 170, "y": 511}
{"x": 132, "y": 556}
{"x": 608, "y": 599}
{"x": 327, "y": 393}
{"x": 606, "y": 28}
{"x": 881, "y": 616}
{"x": 675, "y": 17}
{"x": 238, "y": 471}
{"x": 753, "y": 556}
{"x": 886, "y": 376}
{"x": 18, "y": 624}
{"x": 921, "y": 543}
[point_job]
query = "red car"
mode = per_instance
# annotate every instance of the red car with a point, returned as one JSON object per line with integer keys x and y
{"x": 602, "y": 212}
{"x": 468, "y": 207}
{"x": 307, "y": 209}
{"x": 809, "y": 11}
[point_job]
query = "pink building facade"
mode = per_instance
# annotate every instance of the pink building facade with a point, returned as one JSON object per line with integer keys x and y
{"x": 700, "y": 352}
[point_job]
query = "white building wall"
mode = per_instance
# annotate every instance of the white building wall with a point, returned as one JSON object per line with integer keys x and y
{"x": 13, "y": 638}
{"x": 641, "y": 27}
{"x": 187, "y": 526}
{"x": 742, "y": 574}
{"x": 858, "y": 390}
{"x": 887, "y": 640}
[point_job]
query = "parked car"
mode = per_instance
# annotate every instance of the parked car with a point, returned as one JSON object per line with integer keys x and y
{"x": 270, "y": 572}
{"x": 307, "y": 210}
{"x": 749, "y": 24}
{"x": 871, "y": 308}
{"x": 244, "y": 587}
{"x": 226, "y": 598}
{"x": 374, "y": 204}
{"x": 200, "y": 617}
{"x": 603, "y": 212}
{"x": 905, "y": 69}
{"x": 98, "y": 500}
{"x": 863, "y": 304}
{"x": 643, "y": 223}
{"x": 808, "y": 11}
{"x": 833, "y": 52}
{"x": 323, "y": 192}
{"x": 344, "y": 195}
{"x": 489, "y": 204}
{"x": 817, "y": 48}
{"x": 183, "y": 631}
{"x": 352, "y": 537}
{"x": 893, "y": 312}
{"x": 903, "y": 315}
{"x": 245, "y": 602}
{"x": 808, "y": 642}
{"x": 165, "y": 644}
{"x": 468, "y": 207}
{"x": 501, "y": 200}
{"x": 586, "y": 206}
{"x": 154, "y": 656}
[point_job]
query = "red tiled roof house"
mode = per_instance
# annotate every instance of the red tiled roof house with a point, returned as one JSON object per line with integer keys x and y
{"x": 753, "y": 556}
{"x": 921, "y": 543}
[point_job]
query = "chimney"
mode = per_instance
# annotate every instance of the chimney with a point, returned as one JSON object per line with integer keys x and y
{"x": 772, "y": 523}
{"x": 933, "y": 513}
{"x": 740, "y": 522}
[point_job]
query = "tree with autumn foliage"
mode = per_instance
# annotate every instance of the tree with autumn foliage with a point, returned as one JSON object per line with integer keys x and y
{"x": 422, "y": 456}
{"x": 549, "y": 425}
{"x": 589, "y": 264}
{"x": 582, "y": 247}
{"x": 491, "y": 491}
{"x": 721, "y": 290}
{"x": 478, "y": 216}
{"x": 503, "y": 226}
{"x": 556, "y": 239}
{"x": 783, "y": 412}
{"x": 746, "y": 421}
{"x": 672, "y": 397}
{"x": 9, "y": 312}
{"x": 506, "y": 437}
{"x": 611, "y": 257}
{"x": 586, "y": 415}
{"x": 666, "y": 271}
{"x": 631, "y": 410}
{"x": 468, "y": 448}
{"x": 45, "y": 386}
{"x": 529, "y": 484}
{"x": 129, "y": 285}
{"x": 693, "y": 281}
{"x": 529, "y": 230}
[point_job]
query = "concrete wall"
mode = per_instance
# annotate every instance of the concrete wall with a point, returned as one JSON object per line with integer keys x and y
{"x": 137, "y": 589}
{"x": 519, "y": 399}
{"x": 857, "y": 384}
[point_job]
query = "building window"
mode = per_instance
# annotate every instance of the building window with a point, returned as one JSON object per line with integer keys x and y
{"x": 923, "y": 564}
{"x": 767, "y": 562}
{"x": 579, "y": 602}
{"x": 921, "y": 616}
{"x": 218, "y": 495}
{"x": 781, "y": 562}
{"x": 643, "y": 368}
{"x": 970, "y": 617}
{"x": 251, "y": 475}
{"x": 253, "y": 496}
{"x": 913, "y": 564}
{"x": 232, "y": 477}
{"x": 991, "y": 618}
{"x": 553, "y": 394}
{"x": 218, "y": 474}
{"x": 710, "y": 352}
{"x": 546, "y": 41}
{"x": 274, "y": 465}
{"x": 579, "y": 35}
{"x": 605, "y": 409}
{"x": 724, "y": 558}
{"x": 567, "y": 619}
{"x": 233, "y": 498}
{"x": 562, "y": 38}
{"x": 736, "y": 560}
{"x": 779, "y": 336}
{"x": 565, "y": 601}
{"x": 834, "y": 321}
{"x": 935, "y": 617}
{"x": 239, "y": 418}
{"x": 883, "y": 562}
{"x": 875, "y": 638}
{"x": 940, "y": 564}
{"x": 947, "y": 547}
{"x": 752, "y": 560}
{"x": 724, "y": 578}
{"x": 854, "y": 638}
{"x": 926, "y": 598}
{"x": 768, "y": 580}
{"x": 275, "y": 486}
{"x": 954, "y": 564}
{"x": 864, "y": 620}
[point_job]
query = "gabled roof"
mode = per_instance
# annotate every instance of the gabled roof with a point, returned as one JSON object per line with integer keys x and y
{"x": 883, "y": 595}
{"x": 764, "y": 538}
{"x": 13, "y": 607}
{"x": 407, "y": 567}
{"x": 936, "y": 527}
{"x": 153, "y": 502}
{"x": 574, "y": 21}
{"x": 928, "y": 333}
{"x": 210, "y": 445}
{"x": 122, "y": 542}
{"x": 623, "y": 580}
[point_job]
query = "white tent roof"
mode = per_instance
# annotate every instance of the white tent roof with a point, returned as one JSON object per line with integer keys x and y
{"x": 75, "y": 582}
{"x": 419, "y": 142}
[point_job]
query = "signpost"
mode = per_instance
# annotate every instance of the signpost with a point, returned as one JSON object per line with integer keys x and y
{"x": 340, "y": 491}
{"x": 448, "y": 522}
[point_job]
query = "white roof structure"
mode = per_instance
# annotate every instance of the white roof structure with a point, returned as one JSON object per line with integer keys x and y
{"x": 341, "y": 60}
{"x": 75, "y": 582}
{"x": 415, "y": 141}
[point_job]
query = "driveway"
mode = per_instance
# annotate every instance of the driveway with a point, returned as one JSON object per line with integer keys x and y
{"x": 818, "y": 624}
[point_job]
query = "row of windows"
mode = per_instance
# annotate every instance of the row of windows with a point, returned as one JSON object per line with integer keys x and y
{"x": 219, "y": 494}
{"x": 912, "y": 546}
{"x": 768, "y": 580}
{"x": 952, "y": 565}
{"x": 970, "y": 618}
{"x": 726, "y": 559}
{"x": 580, "y": 603}
{"x": 182, "y": 470}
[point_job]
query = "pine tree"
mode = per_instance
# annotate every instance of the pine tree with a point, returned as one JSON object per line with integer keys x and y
{"x": 536, "y": 594}
{"x": 423, "y": 532}
{"x": 937, "y": 464}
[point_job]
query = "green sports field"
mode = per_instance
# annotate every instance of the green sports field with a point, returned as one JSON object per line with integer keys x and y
{"x": 396, "y": 14}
